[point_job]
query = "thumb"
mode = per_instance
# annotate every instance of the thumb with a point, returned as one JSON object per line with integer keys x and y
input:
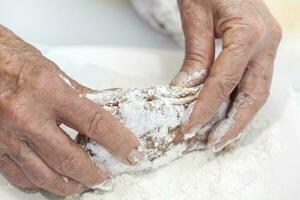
{"x": 198, "y": 27}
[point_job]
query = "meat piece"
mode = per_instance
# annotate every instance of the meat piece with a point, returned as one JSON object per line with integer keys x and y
{"x": 155, "y": 115}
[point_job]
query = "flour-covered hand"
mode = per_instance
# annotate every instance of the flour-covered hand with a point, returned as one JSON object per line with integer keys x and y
{"x": 35, "y": 98}
{"x": 243, "y": 70}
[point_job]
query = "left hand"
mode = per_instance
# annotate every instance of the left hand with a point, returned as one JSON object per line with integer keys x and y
{"x": 36, "y": 96}
{"x": 250, "y": 37}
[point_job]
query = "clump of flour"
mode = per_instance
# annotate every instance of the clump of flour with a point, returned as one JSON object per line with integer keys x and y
{"x": 155, "y": 116}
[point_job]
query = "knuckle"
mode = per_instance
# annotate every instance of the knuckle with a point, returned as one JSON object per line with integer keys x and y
{"x": 4, "y": 161}
{"x": 23, "y": 184}
{"x": 262, "y": 99}
{"x": 13, "y": 175}
{"x": 224, "y": 85}
{"x": 196, "y": 57}
{"x": 238, "y": 48}
{"x": 37, "y": 76}
{"x": 71, "y": 164}
{"x": 36, "y": 135}
{"x": 68, "y": 192}
{"x": 116, "y": 146}
{"x": 95, "y": 122}
{"x": 45, "y": 180}
{"x": 37, "y": 72}
{"x": 247, "y": 37}
{"x": 53, "y": 183}
{"x": 257, "y": 30}
{"x": 254, "y": 30}
{"x": 20, "y": 153}
{"x": 258, "y": 101}
{"x": 15, "y": 110}
{"x": 277, "y": 32}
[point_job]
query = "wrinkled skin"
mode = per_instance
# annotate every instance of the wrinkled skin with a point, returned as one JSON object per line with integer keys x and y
{"x": 243, "y": 70}
{"x": 35, "y": 97}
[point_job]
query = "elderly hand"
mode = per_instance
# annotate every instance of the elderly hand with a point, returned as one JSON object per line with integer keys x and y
{"x": 243, "y": 70}
{"x": 35, "y": 97}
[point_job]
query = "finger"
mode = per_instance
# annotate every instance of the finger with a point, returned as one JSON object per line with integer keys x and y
{"x": 92, "y": 120}
{"x": 224, "y": 76}
{"x": 198, "y": 26}
{"x": 252, "y": 94}
{"x": 66, "y": 157}
{"x": 39, "y": 173}
{"x": 12, "y": 172}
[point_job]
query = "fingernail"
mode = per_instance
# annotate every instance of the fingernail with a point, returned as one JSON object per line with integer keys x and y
{"x": 189, "y": 78}
{"x": 180, "y": 79}
{"x": 82, "y": 189}
{"x": 106, "y": 185}
{"x": 186, "y": 121}
{"x": 135, "y": 156}
{"x": 217, "y": 147}
{"x": 215, "y": 142}
{"x": 218, "y": 139}
{"x": 191, "y": 125}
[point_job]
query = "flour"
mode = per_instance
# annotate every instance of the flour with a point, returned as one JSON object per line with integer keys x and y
{"x": 155, "y": 116}
{"x": 190, "y": 77}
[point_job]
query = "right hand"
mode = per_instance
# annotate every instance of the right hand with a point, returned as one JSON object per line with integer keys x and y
{"x": 242, "y": 71}
{"x": 35, "y": 97}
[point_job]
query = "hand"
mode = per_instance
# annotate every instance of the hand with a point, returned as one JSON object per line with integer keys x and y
{"x": 243, "y": 70}
{"x": 35, "y": 97}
